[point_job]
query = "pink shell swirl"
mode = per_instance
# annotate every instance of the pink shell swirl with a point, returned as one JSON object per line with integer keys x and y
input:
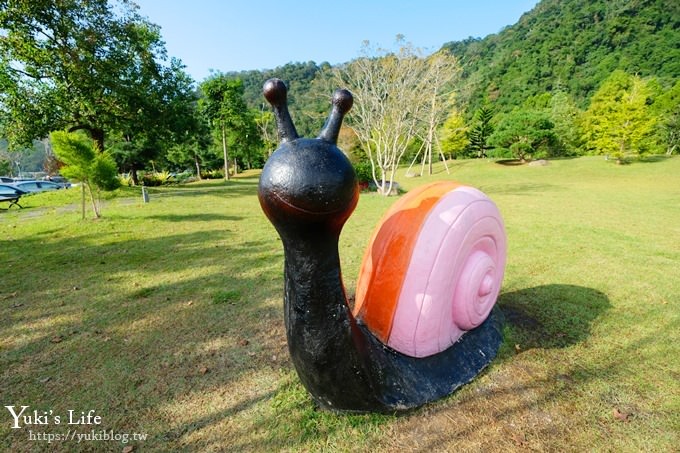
{"x": 454, "y": 275}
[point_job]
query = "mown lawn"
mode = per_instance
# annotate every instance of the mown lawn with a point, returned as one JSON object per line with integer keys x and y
{"x": 165, "y": 318}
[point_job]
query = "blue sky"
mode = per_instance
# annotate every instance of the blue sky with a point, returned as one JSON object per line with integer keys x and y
{"x": 239, "y": 35}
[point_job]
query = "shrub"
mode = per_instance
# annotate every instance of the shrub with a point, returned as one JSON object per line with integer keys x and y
{"x": 184, "y": 177}
{"x": 151, "y": 180}
{"x": 501, "y": 153}
{"x": 125, "y": 179}
{"x": 363, "y": 171}
{"x": 164, "y": 177}
{"x": 213, "y": 174}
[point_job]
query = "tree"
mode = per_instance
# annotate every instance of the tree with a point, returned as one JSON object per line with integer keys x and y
{"x": 86, "y": 164}
{"x": 481, "y": 131}
{"x": 525, "y": 133}
{"x": 245, "y": 141}
{"x": 453, "y": 135}
{"x": 5, "y": 165}
{"x": 168, "y": 117}
{"x": 618, "y": 121}
{"x": 266, "y": 126}
{"x": 666, "y": 107}
{"x": 441, "y": 72}
{"x": 222, "y": 103}
{"x": 564, "y": 115}
{"x": 388, "y": 104}
{"x": 193, "y": 150}
{"x": 77, "y": 65}
{"x": 307, "y": 103}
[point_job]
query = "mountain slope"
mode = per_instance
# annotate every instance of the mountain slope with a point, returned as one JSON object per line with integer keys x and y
{"x": 574, "y": 44}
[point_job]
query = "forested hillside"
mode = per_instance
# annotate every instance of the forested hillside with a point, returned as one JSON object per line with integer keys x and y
{"x": 576, "y": 44}
{"x": 305, "y": 105}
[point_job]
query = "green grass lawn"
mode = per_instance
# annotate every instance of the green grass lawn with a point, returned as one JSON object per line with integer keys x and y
{"x": 166, "y": 319}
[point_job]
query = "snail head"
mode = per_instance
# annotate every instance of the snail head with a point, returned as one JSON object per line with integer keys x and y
{"x": 307, "y": 180}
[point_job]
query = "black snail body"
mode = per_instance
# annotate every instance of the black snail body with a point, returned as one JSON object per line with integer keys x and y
{"x": 308, "y": 189}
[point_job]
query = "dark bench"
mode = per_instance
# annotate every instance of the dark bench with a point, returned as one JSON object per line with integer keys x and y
{"x": 11, "y": 195}
{"x": 13, "y": 201}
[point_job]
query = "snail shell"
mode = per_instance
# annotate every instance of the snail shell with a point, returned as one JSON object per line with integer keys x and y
{"x": 433, "y": 269}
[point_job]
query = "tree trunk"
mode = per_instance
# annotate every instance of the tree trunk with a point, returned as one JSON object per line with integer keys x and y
{"x": 226, "y": 155}
{"x": 96, "y": 134}
{"x": 429, "y": 149}
{"x": 98, "y": 138}
{"x": 408, "y": 170}
{"x": 133, "y": 175}
{"x": 441, "y": 154}
{"x": 383, "y": 183}
{"x": 198, "y": 167}
{"x": 82, "y": 199}
{"x": 95, "y": 206}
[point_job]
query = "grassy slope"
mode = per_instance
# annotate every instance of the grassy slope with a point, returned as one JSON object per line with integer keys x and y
{"x": 166, "y": 319}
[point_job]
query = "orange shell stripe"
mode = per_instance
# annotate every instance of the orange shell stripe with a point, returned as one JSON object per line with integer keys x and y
{"x": 388, "y": 256}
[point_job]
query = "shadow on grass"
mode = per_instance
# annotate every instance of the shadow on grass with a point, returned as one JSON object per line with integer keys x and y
{"x": 542, "y": 317}
{"x": 551, "y": 316}
{"x": 529, "y": 189}
{"x": 654, "y": 158}
{"x": 510, "y": 162}
{"x": 517, "y": 162}
{"x": 199, "y": 424}
{"x": 235, "y": 187}
{"x": 516, "y": 393}
{"x": 205, "y": 217}
{"x": 135, "y": 320}
{"x": 286, "y": 421}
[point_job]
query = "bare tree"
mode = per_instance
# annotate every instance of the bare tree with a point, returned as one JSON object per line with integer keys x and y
{"x": 437, "y": 90}
{"x": 388, "y": 103}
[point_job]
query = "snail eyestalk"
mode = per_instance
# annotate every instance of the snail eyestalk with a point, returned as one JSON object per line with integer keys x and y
{"x": 276, "y": 93}
{"x": 342, "y": 103}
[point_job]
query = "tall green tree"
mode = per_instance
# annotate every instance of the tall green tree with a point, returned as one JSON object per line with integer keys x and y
{"x": 666, "y": 108}
{"x": 223, "y": 104}
{"x": 618, "y": 121}
{"x": 168, "y": 117}
{"x": 246, "y": 142}
{"x": 307, "y": 101}
{"x": 453, "y": 135}
{"x": 564, "y": 115}
{"x": 481, "y": 131}
{"x": 193, "y": 150}
{"x": 93, "y": 65}
{"x": 264, "y": 119}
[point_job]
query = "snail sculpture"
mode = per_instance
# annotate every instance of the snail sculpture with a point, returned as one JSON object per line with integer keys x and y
{"x": 422, "y": 323}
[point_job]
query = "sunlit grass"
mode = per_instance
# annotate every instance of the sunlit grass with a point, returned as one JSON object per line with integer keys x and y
{"x": 166, "y": 319}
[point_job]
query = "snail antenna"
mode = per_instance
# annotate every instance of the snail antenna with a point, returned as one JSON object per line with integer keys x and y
{"x": 342, "y": 102}
{"x": 276, "y": 93}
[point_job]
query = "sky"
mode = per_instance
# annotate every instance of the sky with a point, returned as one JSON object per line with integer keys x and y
{"x": 237, "y": 35}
